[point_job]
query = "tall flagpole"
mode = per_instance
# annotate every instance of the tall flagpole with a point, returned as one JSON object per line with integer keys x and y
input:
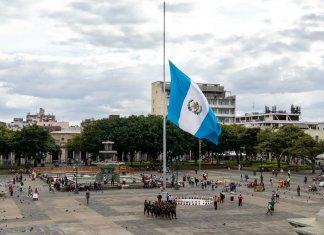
{"x": 199, "y": 160}
{"x": 164, "y": 104}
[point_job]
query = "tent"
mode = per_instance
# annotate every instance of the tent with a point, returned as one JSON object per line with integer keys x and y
{"x": 320, "y": 157}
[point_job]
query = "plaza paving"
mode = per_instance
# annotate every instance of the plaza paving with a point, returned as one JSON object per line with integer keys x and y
{"x": 121, "y": 211}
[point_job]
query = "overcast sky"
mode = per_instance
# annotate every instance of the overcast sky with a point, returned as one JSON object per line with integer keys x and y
{"x": 83, "y": 59}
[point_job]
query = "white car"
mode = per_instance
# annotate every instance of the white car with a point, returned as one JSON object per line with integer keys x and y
{"x": 321, "y": 184}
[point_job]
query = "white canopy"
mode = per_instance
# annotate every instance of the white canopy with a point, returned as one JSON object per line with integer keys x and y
{"x": 320, "y": 156}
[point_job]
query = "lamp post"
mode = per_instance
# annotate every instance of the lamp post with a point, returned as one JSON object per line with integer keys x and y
{"x": 177, "y": 167}
{"x": 261, "y": 176}
{"x": 76, "y": 191}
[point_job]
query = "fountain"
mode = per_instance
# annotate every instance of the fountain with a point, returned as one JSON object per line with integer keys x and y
{"x": 107, "y": 165}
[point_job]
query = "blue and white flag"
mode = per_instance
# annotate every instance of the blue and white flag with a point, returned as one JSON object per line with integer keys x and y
{"x": 189, "y": 109}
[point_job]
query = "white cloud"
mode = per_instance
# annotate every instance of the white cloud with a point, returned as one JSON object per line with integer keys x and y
{"x": 81, "y": 60}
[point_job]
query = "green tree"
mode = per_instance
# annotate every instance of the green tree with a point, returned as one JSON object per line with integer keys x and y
{"x": 6, "y": 136}
{"x": 250, "y": 142}
{"x": 152, "y": 136}
{"x": 33, "y": 143}
{"x": 279, "y": 142}
{"x": 232, "y": 140}
{"x": 306, "y": 146}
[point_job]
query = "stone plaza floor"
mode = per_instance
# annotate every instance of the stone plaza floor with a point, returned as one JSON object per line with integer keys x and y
{"x": 121, "y": 211}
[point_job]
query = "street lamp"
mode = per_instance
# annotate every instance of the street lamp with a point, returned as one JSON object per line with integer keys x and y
{"x": 261, "y": 177}
{"x": 76, "y": 191}
{"x": 177, "y": 167}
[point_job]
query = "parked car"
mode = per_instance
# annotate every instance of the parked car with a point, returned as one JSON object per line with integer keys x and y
{"x": 56, "y": 163}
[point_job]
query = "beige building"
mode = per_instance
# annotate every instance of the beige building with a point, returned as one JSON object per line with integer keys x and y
{"x": 61, "y": 138}
{"x": 222, "y": 104}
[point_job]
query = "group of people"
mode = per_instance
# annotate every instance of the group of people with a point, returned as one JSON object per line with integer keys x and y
{"x": 18, "y": 182}
{"x": 162, "y": 209}
{"x": 221, "y": 199}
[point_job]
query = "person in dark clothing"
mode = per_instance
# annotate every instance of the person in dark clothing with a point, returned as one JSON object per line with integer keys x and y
{"x": 88, "y": 196}
{"x": 215, "y": 203}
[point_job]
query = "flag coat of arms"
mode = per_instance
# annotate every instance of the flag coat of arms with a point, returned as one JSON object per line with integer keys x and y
{"x": 189, "y": 109}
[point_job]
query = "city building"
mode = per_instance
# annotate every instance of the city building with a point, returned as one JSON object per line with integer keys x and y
{"x": 17, "y": 124}
{"x": 47, "y": 121}
{"x": 61, "y": 138}
{"x": 87, "y": 122}
{"x": 221, "y": 102}
{"x": 272, "y": 118}
{"x": 40, "y": 117}
{"x": 277, "y": 118}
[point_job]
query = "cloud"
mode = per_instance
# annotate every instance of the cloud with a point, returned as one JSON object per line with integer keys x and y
{"x": 11, "y": 10}
{"x": 79, "y": 59}
{"x": 74, "y": 87}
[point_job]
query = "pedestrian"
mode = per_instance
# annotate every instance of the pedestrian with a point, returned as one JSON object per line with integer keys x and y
{"x": 246, "y": 177}
{"x": 159, "y": 197}
{"x": 88, "y": 196}
{"x": 222, "y": 196}
{"x": 240, "y": 200}
{"x": 273, "y": 172}
{"x": 305, "y": 180}
{"x": 273, "y": 196}
{"x": 11, "y": 190}
{"x": 215, "y": 203}
{"x": 271, "y": 182}
{"x": 277, "y": 195}
{"x": 288, "y": 173}
{"x": 30, "y": 191}
{"x": 288, "y": 182}
{"x": 21, "y": 186}
{"x": 269, "y": 208}
{"x": 298, "y": 191}
{"x": 261, "y": 179}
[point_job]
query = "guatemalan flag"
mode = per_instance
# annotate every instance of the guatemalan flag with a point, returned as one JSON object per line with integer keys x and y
{"x": 189, "y": 109}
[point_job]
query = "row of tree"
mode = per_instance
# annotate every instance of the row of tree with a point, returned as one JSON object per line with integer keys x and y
{"x": 31, "y": 143}
{"x": 145, "y": 134}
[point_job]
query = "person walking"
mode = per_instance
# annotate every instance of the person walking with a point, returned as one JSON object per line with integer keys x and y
{"x": 298, "y": 191}
{"x": 11, "y": 190}
{"x": 305, "y": 180}
{"x": 222, "y": 196}
{"x": 246, "y": 177}
{"x": 269, "y": 208}
{"x": 215, "y": 203}
{"x": 240, "y": 200}
{"x": 277, "y": 195}
{"x": 159, "y": 197}
{"x": 88, "y": 196}
{"x": 30, "y": 191}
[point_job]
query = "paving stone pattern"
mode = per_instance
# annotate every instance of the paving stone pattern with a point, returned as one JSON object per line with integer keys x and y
{"x": 121, "y": 211}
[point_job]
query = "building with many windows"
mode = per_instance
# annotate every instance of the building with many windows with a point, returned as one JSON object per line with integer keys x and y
{"x": 221, "y": 102}
{"x": 275, "y": 119}
{"x": 47, "y": 121}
